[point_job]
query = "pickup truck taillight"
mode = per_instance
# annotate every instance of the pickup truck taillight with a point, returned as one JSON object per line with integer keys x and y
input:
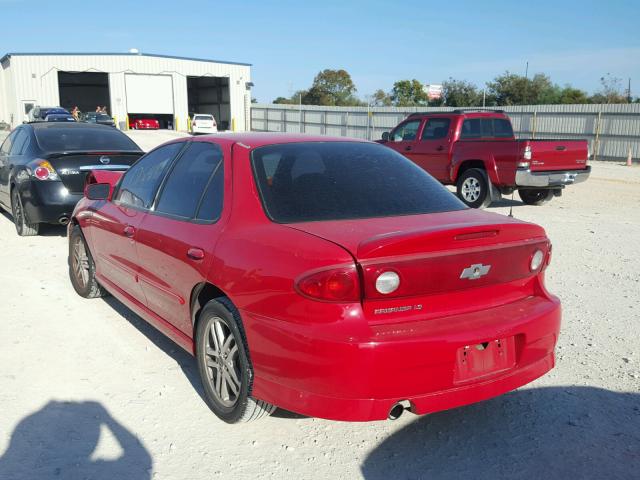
{"x": 527, "y": 153}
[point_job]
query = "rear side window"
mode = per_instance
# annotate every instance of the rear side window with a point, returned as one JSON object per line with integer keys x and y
{"x": 471, "y": 128}
{"x": 19, "y": 142}
{"x": 140, "y": 183}
{"x": 486, "y": 128}
{"x": 315, "y": 181}
{"x": 406, "y": 132}
{"x": 72, "y": 138}
{"x": 196, "y": 171}
{"x": 436, "y": 128}
{"x": 502, "y": 128}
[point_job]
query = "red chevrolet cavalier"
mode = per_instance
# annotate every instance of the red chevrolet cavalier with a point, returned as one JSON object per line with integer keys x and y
{"x": 327, "y": 276}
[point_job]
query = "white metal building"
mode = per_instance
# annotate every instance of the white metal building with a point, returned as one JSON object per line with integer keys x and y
{"x": 130, "y": 85}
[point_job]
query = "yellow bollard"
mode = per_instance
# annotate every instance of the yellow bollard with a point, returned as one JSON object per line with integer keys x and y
{"x": 188, "y": 123}
{"x": 126, "y": 125}
{"x": 175, "y": 125}
{"x": 115, "y": 120}
{"x": 233, "y": 124}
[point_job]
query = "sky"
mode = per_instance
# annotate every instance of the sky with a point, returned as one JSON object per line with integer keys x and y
{"x": 289, "y": 42}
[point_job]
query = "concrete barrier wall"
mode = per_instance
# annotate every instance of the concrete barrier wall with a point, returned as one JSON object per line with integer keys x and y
{"x": 611, "y": 130}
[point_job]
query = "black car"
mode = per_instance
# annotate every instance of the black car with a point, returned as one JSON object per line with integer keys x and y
{"x": 43, "y": 168}
{"x": 99, "y": 118}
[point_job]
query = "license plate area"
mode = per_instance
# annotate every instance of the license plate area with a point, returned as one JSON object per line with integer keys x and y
{"x": 474, "y": 362}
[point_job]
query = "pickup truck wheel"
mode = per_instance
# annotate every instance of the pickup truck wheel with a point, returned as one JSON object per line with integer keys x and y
{"x": 473, "y": 188}
{"x": 535, "y": 197}
{"x": 222, "y": 355}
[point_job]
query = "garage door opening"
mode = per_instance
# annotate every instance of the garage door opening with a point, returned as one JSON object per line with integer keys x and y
{"x": 210, "y": 95}
{"x": 150, "y": 97}
{"x": 85, "y": 90}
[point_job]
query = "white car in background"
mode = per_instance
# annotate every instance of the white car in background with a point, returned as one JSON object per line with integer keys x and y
{"x": 203, "y": 123}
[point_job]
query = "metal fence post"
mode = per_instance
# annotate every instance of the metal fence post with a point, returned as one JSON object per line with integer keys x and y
{"x": 535, "y": 124}
{"x": 596, "y": 142}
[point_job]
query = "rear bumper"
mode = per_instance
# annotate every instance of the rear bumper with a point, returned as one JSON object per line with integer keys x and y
{"x": 527, "y": 178}
{"x": 204, "y": 130}
{"x": 47, "y": 201}
{"x": 417, "y": 362}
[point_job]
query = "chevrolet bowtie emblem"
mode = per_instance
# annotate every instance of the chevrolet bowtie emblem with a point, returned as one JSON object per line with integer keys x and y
{"x": 475, "y": 271}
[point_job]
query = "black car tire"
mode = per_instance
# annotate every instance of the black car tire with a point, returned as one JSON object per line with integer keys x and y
{"x": 536, "y": 196}
{"x": 222, "y": 355}
{"x": 82, "y": 268}
{"x": 474, "y": 188}
{"x": 23, "y": 227}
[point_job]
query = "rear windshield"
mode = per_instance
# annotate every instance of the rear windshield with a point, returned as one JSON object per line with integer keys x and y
{"x": 61, "y": 139}
{"x": 203, "y": 117}
{"x": 301, "y": 182}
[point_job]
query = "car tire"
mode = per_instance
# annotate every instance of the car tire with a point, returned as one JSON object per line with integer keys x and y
{"x": 536, "y": 196}
{"x": 23, "y": 227}
{"x": 222, "y": 355}
{"x": 474, "y": 188}
{"x": 82, "y": 268}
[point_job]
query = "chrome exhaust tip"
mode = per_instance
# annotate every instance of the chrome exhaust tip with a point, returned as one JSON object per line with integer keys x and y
{"x": 63, "y": 220}
{"x": 398, "y": 409}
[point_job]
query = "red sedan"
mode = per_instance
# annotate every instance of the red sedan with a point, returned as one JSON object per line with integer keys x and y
{"x": 144, "y": 124}
{"x": 327, "y": 276}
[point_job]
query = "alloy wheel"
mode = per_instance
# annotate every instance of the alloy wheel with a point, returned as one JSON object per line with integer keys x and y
{"x": 80, "y": 262}
{"x": 222, "y": 361}
{"x": 471, "y": 189}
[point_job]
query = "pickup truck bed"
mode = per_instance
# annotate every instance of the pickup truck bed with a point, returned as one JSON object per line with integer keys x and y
{"x": 478, "y": 153}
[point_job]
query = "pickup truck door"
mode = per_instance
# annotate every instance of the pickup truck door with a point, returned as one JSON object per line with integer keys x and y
{"x": 431, "y": 151}
{"x": 403, "y": 138}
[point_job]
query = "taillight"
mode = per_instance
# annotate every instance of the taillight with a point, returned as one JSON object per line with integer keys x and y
{"x": 334, "y": 285}
{"x": 527, "y": 153}
{"x": 43, "y": 170}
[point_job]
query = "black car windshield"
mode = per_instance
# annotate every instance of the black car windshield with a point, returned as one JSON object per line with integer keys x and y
{"x": 102, "y": 117}
{"x": 314, "y": 181}
{"x": 60, "y": 139}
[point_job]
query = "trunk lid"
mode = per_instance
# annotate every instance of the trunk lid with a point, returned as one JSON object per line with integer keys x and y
{"x": 73, "y": 167}
{"x": 551, "y": 155}
{"x": 439, "y": 259}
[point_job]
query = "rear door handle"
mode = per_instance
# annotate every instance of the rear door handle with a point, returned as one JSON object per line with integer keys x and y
{"x": 407, "y": 148}
{"x": 129, "y": 231}
{"x": 440, "y": 148}
{"x": 195, "y": 253}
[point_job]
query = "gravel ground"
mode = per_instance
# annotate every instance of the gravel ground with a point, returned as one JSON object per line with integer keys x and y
{"x": 89, "y": 390}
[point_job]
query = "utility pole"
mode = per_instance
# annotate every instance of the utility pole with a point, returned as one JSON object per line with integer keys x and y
{"x": 526, "y": 81}
{"x": 484, "y": 97}
{"x": 629, "y": 91}
{"x": 300, "y": 113}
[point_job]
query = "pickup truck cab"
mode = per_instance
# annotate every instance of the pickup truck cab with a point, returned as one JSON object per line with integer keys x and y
{"x": 477, "y": 151}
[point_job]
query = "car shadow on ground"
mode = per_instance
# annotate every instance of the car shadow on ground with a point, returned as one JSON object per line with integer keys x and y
{"x": 61, "y": 440}
{"x": 546, "y": 433}
{"x": 182, "y": 358}
{"x": 46, "y": 230}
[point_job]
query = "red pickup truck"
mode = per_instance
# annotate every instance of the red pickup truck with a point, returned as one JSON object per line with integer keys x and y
{"x": 477, "y": 151}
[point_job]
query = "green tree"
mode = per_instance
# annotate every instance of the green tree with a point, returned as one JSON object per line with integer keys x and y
{"x": 460, "y": 93}
{"x": 293, "y": 99}
{"x": 512, "y": 89}
{"x": 380, "y": 98}
{"x": 408, "y": 93}
{"x": 569, "y": 95}
{"x": 332, "y": 87}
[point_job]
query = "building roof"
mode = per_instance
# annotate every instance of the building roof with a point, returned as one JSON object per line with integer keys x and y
{"x": 63, "y": 54}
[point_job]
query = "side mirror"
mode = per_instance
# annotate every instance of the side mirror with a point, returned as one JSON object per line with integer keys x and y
{"x": 98, "y": 191}
{"x": 385, "y": 136}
